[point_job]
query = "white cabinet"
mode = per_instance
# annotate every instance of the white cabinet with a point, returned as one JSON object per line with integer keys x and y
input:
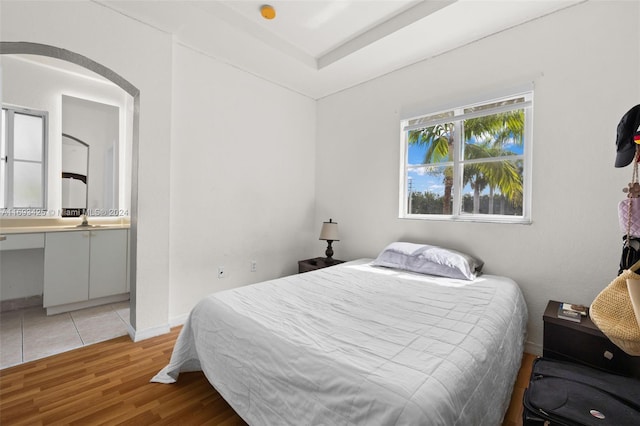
{"x": 108, "y": 263}
{"x": 84, "y": 265}
{"x": 66, "y": 267}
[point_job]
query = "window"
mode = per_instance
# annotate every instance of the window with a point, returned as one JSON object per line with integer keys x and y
{"x": 469, "y": 163}
{"x": 22, "y": 160}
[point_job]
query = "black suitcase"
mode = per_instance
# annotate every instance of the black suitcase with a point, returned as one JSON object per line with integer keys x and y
{"x": 567, "y": 394}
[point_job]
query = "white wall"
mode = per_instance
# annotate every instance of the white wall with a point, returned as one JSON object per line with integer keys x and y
{"x": 226, "y": 168}
{"x": 142, "y": 55}
{"x": 584, "y": 62}
{"x": 242, "y": 178}
{"x": 22, "y": 274}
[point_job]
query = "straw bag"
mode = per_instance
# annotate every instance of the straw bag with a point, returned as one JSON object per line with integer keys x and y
{"x": 613, "y": 313}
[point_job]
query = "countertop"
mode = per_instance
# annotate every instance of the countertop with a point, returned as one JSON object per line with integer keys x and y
{"x": 31, "y": 226}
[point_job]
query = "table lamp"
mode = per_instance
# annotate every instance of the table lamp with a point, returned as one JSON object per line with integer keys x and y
{"x": 329, "y": 233}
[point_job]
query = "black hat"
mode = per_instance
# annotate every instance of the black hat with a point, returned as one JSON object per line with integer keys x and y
{"x": 627, "y": 128}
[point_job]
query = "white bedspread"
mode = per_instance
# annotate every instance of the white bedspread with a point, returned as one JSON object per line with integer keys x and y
{"x": 359, "y": 345}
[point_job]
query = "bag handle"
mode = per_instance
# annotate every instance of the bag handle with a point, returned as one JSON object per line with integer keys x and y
{"x": 635, "y": 266}
{"x": 632, "y": 192}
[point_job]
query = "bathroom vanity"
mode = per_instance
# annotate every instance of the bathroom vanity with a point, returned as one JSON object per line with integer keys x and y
{"x": 83, "y": 266}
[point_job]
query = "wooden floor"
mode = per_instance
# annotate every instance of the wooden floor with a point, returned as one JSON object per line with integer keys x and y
{"x": 513, "y": 417}
{"x": 108, "y": 383}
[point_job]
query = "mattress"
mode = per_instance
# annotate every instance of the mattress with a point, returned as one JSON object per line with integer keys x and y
{"x": 356, "y": 344}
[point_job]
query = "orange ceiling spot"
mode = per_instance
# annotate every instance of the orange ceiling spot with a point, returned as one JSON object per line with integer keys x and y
{"x": 267, "y": 11}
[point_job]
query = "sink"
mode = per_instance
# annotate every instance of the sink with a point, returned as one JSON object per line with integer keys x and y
{"x": 86, "y": 225}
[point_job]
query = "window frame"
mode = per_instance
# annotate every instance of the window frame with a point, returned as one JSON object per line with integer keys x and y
{"x": 457, "y": 163}
{"x": 9, "y": 209}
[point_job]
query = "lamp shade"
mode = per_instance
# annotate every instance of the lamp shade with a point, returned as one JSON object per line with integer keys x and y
{"x": 329, "y": 231}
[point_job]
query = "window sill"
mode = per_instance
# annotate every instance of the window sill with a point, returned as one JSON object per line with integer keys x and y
{"x": 470, "y": 218}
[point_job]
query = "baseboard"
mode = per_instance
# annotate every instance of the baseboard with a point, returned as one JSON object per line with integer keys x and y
{"x": 533, "y": 348}
{"x": 131, "y": 332}
{"x": 179, "y": 320}
{"x": 58, "y": 309}
{"x": 138, "y": 335}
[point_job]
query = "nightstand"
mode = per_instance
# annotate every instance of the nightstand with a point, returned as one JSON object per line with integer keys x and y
{"x": 316, "y": 263}
{"x": 584, "y": 343}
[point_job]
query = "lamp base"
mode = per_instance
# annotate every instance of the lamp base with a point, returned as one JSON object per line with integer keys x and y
{"x": 329, "y": 251}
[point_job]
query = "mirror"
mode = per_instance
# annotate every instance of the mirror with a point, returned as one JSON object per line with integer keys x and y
{"x": 75, "y": 175}
{"x": 89, "y": 118}
{"x": 96, "y": 126}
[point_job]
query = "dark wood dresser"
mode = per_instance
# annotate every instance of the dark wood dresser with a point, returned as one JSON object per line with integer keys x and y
{"x": 316, "y": 263}
{"x": 584, "y": 343}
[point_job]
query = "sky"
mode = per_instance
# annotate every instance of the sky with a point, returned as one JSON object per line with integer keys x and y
{"x": 422, "y": 181}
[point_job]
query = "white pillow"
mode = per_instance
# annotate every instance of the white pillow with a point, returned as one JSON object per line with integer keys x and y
{"x": 432, "y": 260}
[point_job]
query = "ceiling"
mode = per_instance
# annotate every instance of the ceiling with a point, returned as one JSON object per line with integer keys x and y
{"x": 319, "y": 47}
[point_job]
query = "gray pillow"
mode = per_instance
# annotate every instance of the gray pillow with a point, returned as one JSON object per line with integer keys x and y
{"x": 427, "y": 259}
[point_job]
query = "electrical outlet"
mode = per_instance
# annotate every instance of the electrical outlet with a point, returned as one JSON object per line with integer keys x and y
{"x": 221, "y": 273}
{"x": 254, "y": 266}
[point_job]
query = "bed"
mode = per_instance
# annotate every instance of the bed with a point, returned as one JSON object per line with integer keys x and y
{"x": 358, "y": 344}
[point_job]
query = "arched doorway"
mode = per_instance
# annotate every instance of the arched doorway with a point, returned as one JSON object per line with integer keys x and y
{"x": 16, "y": 48}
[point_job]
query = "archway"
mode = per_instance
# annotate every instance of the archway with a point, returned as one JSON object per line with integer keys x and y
{"x": 16, "y": 48}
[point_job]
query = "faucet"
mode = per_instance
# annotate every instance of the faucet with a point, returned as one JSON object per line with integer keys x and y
{"x": 85, "y": 222}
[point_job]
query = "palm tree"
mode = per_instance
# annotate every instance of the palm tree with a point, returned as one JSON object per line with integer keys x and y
{"x": 502, "y": 127}
{"x": 500, "y": 174}
{"x": 493, "y": 132}
{"x": 439, "y": 142}
{"x": 490, "y": 133}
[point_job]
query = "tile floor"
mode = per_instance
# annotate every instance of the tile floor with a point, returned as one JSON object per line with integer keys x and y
{"x": 29, "y": 334}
